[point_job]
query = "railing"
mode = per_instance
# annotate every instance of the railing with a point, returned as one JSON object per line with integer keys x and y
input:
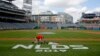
{"x": 12, "y": 13}
{"x": 14, "y": 10}
{"x": 12, "y": 18}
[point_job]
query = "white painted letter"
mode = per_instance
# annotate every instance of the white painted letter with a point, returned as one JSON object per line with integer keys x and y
{"x": 47, "y": 50}
{"x": 63, "y": 50}
{"x": 22, "y": 46}
{"x": 60, "y": 47}
{"x": 39, "y": 51}
{"x": 78, "y": 47}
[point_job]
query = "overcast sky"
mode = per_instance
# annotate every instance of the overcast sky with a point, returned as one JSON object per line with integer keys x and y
{"x": 72, "y": 7}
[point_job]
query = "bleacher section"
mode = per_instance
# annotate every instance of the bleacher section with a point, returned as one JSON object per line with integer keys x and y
{"x": 11, "y": 13}
{"x": 6, "y": 25}
{"x": 51, "y": 25}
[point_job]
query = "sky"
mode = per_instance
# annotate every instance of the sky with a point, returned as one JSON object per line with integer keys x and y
{"x": 72, "y": 7}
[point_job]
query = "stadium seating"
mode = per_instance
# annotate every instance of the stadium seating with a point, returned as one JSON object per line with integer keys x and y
{"x": 6, "y": 25}
{"x": 51, "y": 25}
{"x": 11, "y": 25}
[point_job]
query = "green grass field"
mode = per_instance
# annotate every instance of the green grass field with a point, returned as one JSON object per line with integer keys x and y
{"x": 59, "y": 34}
{"x": 6, "y": 45}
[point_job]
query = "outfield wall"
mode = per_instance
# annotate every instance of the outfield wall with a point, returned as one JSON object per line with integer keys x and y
{"x": 11, "y": 26}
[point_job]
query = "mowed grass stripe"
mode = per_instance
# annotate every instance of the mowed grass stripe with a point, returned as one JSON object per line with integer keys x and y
{"x": 59, "y": 34}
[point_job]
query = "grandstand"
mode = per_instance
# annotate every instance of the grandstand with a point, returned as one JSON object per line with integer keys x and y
{"x": 13, "y": 18}
{"x": 7, "y": 25}
{"x": 10, "y": 13}
{"x": 90, "y": 21}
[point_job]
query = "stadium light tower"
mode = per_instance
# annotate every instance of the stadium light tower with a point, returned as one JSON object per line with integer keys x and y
{"x": 27, "y": 6}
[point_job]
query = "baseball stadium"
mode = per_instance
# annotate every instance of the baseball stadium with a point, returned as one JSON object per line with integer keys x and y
{"x": 19, "y": 32}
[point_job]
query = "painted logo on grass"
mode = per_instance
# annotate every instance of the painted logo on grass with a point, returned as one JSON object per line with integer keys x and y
{"x": 53, "y": 47}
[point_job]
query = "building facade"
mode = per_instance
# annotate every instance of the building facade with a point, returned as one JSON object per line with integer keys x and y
{"x": 64, "y": 18}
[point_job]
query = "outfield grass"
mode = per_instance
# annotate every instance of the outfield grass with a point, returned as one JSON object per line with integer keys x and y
{"x": 5, "y": 49}
{"x": 59, "y": 34}
{"x": 6, "y": 45}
